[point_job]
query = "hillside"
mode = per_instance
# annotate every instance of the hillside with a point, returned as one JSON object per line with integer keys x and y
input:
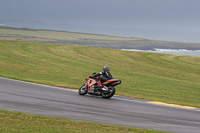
{"x": 160, "y": 77}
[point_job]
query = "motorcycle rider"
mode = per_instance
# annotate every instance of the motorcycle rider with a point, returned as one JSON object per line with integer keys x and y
{"x": 106, "y": 74}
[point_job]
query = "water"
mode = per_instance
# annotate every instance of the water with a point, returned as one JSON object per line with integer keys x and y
{"x": 185, "y": 52}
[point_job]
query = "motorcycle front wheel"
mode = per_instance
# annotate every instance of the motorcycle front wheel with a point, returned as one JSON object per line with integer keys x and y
{"x": 108, "y": 94}
{"x": 83, "y": 90}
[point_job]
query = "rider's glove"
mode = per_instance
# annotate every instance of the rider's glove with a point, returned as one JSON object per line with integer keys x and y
{"x": 92, "y": 76}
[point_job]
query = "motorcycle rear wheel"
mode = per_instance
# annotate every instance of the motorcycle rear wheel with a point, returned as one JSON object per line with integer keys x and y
{"x": 83, "y": 90}
{"x": 108, "y": 94}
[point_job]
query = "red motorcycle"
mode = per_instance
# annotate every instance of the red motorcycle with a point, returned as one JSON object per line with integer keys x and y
{"x": 94, "y": 87}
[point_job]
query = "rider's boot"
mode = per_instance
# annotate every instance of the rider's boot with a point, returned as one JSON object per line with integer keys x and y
{"x": 104, "y": 88}
{"x": 99, "y": 87}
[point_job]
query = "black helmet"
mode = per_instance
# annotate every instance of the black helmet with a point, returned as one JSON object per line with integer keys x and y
{"x": 106, "y": 68}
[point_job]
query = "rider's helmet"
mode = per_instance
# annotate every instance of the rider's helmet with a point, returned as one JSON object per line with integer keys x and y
{"x": 106, "y": 68}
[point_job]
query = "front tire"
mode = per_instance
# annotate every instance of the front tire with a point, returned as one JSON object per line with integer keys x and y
{"x": 108, "y": 94}
{"x": 83, "y": 90}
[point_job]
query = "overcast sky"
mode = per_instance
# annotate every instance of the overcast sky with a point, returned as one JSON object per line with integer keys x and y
{"x": 170, "y": 15}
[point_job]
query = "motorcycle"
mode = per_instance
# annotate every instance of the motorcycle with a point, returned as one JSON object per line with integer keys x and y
{"x": 94, "y": 87}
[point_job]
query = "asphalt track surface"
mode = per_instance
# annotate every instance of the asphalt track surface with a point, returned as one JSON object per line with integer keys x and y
{"x": 65, "y": 103}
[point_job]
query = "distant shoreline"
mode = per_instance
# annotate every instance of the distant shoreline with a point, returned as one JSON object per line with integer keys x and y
{"x": 195, "y": 53}
{"x": 90, "y": 40}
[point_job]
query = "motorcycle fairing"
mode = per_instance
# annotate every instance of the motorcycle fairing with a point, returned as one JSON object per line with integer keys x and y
{"x": 91, "y": 82}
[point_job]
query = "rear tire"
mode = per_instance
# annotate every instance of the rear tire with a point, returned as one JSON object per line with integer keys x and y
{"x": 83, "y": 90}
{"x": 108, "y": 94}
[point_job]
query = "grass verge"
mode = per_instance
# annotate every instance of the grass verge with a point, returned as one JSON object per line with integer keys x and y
{"x": 167, "y": 78}
{"x": 19, "y": 122}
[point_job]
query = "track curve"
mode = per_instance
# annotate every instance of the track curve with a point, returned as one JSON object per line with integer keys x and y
{"x": 61, "y": 102}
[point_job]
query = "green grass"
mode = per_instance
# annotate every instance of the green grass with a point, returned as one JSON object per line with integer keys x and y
{"x": 167, "y": 78}
{"x": 24, "y": 123}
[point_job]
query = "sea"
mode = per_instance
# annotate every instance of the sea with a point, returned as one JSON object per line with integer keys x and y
{"x": 184, "y": 52}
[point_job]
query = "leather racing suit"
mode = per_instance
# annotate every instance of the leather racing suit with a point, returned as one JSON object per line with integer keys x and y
{"x": 106, "y": 75}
